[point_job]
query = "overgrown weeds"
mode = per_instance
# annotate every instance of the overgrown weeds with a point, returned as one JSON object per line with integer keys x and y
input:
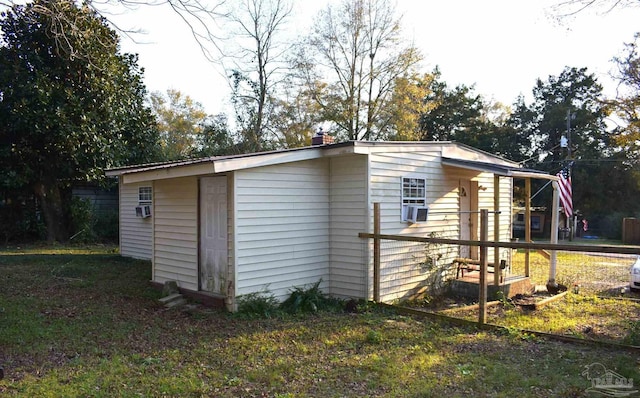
{"x": 302, "y": 300}
{"x": 258, "y": 305}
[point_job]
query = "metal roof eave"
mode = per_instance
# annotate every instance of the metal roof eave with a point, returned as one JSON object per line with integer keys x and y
{"x": 502, "y": 170}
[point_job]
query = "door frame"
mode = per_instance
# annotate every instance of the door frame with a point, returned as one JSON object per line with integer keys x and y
{"x": 201, "y": 214}
{"x": 470, "y": 213}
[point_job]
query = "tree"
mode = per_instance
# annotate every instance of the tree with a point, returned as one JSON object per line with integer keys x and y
{"x": 215, "y": 138}
{"x": 200, "y": 17}
{"x": 257, "y": 63}
{"x": 358, "y": 48}
{"x": 409, "y": 103}
{"x": 454, "y": 114}
{"x": 434, "y": 112}
{"x": 295, "y": 118}
{"x": 576, "y": 94}
{"x": 601, "y": 185}
{"x": 180, "y": 122}
{"x": 64, "y": 118}
{"x": 627, "y": 105}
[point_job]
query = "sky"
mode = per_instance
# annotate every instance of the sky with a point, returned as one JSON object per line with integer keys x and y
{"x": 500, "y": 46}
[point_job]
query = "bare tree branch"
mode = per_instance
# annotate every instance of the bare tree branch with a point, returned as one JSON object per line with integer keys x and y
{"x": 256, "y": 62}
{"x": 200, "y": 17}
{"x": 358, "y": 47}
{"x": 569, "y": 8}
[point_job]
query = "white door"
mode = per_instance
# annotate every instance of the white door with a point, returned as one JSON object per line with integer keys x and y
{"x": 469, "y": 217}
{"x": 213, "y": 234}
{"x": 464, "y": 195}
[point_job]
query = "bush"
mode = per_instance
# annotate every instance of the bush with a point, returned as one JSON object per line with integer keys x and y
{"x": 82, "y": 220}
{"x": 20, "y": 221}
{"x": 91, "y": 226}
{"x": 106, "y": 226}
{"x": 258, "y": 304}
{"x": 308, "y": 300}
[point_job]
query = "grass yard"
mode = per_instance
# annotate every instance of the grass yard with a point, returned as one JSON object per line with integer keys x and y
{"x": 596, "y": 273}
{"x": 598, "y": 306}
{"x": 84, "y": 322}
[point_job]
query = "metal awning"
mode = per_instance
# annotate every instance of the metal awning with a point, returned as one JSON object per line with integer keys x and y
{"x": 505, "y": 170}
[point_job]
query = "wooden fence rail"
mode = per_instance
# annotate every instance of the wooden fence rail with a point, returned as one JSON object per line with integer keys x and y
{"x": 484, "y": 243}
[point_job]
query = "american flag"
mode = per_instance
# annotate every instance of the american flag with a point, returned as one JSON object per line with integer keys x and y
{"x": 565, "y": 190}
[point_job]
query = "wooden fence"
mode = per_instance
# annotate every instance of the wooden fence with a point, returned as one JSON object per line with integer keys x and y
{"x": 483, "y": 244}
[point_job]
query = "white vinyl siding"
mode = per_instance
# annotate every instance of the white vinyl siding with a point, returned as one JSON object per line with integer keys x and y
{"x": 400, "y": 277}
{"x": 348, "y": 206}
{"x": 135, "y": 232}
{"x": 281, "y": 227}
{"x": 295, "y": 220}
{"x": 387, "y": 170}
{"x": 176, "y": 231}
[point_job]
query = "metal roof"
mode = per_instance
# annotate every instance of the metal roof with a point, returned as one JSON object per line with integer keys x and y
{"x": 499, "y": 169}
{"x": 453, "y": 154}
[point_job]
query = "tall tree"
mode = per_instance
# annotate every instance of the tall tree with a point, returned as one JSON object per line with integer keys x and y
{"x": 627, "y": 105}
{"x": 577, "y": 94}
{"x": 409, "y": 103}
{"x": 257, "y": 60}
{"x": 216, "y": 138}
{"x": 572, "y": 105}
{"x": 356, "y": 48}
{"x": 201, "y": 18}
{"x": 454, "y": 113}
{"x": 180, "y": 122}
{"x": 457, "y": 114}
{"x": 64, "y": 118}
{"x": 296, "y": 117}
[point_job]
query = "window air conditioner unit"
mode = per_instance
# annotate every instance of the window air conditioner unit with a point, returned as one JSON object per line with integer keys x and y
{"x": 416, "y": 214}
{"x": 143, "y": 211}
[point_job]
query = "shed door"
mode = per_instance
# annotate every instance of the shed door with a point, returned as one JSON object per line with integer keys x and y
{"x": 213, "y": 234}
{"x": 468, "y": 202}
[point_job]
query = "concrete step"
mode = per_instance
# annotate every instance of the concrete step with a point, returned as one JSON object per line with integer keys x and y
{"x": 176, "y": 303}
{"x": 170, "y": 298}
{"x": 173, "y": 301}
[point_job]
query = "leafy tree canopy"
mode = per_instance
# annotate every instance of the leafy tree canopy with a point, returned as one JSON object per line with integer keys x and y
{"x": 180, "y": 122}
{"x": 65, "y": 116}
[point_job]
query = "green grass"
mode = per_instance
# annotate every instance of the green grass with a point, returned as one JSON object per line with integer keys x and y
{"x": 84, "y": 322}
{"x": 584, "y": 316}
{"x": 595, "y": 273}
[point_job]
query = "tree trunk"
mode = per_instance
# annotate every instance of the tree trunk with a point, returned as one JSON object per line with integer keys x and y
{"x": 50, "y": 199}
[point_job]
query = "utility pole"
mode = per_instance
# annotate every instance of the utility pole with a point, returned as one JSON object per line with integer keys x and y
{"x": 569, "y": 133}
{"x": 571, "y": 229}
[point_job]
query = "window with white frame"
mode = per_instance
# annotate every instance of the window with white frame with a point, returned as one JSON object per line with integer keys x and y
{"x": 145, "y": 195}
{"x": 414, "y": 193}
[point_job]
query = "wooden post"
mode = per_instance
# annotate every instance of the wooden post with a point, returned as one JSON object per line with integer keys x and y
{"x": 527, "y": 225}
{"x": 554, "y": 233}
{"x": 473, "y": 218}
{"x": 484, "y": 234}
{"x": 376, "y": 252}
{"x": 497, "y": 272}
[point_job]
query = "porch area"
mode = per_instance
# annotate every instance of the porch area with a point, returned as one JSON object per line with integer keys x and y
{"x": 510, "y": 285}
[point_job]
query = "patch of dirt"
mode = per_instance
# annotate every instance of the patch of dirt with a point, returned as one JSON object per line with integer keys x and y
{"x": 530, "y": 299}
{"x": 441, "y": 303}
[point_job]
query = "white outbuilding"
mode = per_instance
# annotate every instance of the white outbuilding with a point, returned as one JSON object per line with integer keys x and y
{"x": 233, "y": 225}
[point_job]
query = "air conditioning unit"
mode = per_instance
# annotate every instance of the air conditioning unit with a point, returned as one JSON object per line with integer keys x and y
{"x": 143, "y": 211}
{"x": 416, "y": 214}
